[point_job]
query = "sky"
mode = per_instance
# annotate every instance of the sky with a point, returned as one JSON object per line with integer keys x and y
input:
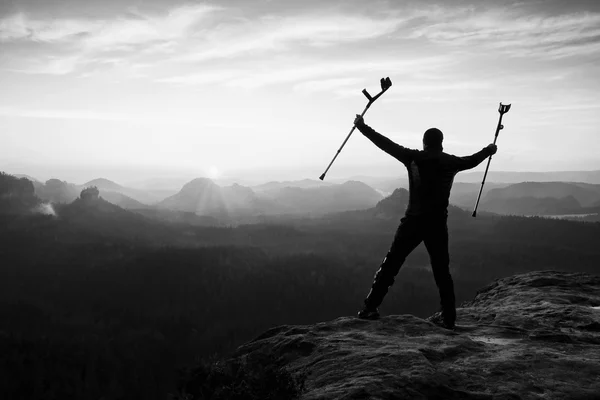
{"x": 266, "y": 89}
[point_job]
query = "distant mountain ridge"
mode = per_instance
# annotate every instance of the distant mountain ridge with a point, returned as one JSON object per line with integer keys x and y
{"x": 57, "y": 191}
{"x": 302, "y": 184}
{"x": 104, "y": 184}
{"x": 204, "y": 197}
{"x": 591, "y": 177}
{"x": 351, "y": 195}
{"x": 542, "y": 198}
{"x": 585, "y": 194}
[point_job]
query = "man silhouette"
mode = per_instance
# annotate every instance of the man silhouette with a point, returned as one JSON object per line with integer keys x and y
{"x": 430, "y": 175}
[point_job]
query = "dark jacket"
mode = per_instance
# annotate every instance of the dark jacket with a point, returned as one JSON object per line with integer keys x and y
{"x": 430, "y": 172}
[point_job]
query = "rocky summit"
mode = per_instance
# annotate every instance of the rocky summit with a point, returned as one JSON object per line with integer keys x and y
{"x": 530, "y": 336}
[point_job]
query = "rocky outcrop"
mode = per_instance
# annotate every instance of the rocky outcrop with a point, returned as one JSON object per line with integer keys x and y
{"x": 90, "y": 194}
{"x": 16, "y": 195}
{"x": 56, "y": 191}
{"x": 530, "y": 336}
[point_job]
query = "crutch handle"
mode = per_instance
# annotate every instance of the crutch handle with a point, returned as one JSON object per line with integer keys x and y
{"x": 386, "y": 83}
{"x": 503, "y": 109}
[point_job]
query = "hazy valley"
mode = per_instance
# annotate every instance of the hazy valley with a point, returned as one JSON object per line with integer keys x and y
{"x": 98, "y": 274}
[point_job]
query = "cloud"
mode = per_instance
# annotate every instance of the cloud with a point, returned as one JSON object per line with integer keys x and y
{"x": 331, "y": 46}
{"x": 149, "y": 29}
{"x": 74, "y": 43}
{"x": 50, "y": 65}
{"x": 186, "y": 34}
{"x": 509, "y": 31}
{"x": 169, "y": 119}
{"x": 270, "y": 33}
{"x": 203, "y": 78}
{"x": 102, "y": 34}
{"x": 20, "y": 27}
{"x": 326, "y": 85}
{"x": 310, "y": 75}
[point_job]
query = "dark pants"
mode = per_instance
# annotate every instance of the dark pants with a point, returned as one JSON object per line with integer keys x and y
{"x": 413, "y": 230}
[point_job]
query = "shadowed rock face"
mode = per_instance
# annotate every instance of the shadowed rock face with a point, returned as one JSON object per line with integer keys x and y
{"x": 529, "y": 336}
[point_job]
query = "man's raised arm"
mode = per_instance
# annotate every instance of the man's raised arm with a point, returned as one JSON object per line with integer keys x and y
{"x": 401, "y": 153}
{"x": 468, "y": 162}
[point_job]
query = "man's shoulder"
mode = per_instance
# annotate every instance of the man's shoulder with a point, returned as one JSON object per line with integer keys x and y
{"x": 450, "y": 157}
{"x": 444, "y": 154}
{"x": 435, "y": 155}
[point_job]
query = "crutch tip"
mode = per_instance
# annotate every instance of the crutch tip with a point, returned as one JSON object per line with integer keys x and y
{"x": 474, "y": 214}
{"x": 322, "y": 177}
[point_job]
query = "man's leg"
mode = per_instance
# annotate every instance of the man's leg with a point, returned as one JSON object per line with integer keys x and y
{"x": 407, "y": 238}
{"x": 436, "y": 242}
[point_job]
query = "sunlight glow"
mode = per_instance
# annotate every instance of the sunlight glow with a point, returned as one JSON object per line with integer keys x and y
{"x": 213, "y": 172}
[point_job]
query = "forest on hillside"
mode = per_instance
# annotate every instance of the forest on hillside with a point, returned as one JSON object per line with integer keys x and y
{"x": 96, "y": 301}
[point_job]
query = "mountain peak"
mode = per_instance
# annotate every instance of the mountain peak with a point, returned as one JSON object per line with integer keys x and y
{"x": 200, "y": 182}
{"x": 103, "y": 184}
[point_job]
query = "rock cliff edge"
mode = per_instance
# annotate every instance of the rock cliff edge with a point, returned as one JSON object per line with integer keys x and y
{"x": 530, "y": 336}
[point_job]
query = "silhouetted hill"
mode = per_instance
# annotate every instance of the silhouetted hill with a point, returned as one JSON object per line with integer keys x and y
{"x": 465, "y": 194}
{"x": 202, "y": 197}
{"x": 518, "y": 338}
{"x": 591, "y": 177}
{"x": 104, "y": 184}
{"x": 539, "y": 198}
{"x": 141, "y": 196}
{"x": 57, "y": 191}
{"x": 533, "y": 205}
{"x": 172, "y": 184}
{"x": 302, "y": 184}
{"x": 586, "y": 195}
{"x": 17, "y": 195}
{"x": 389, "y": 185}
{"x": 242, "y": 200}
{"x": 384, "y": 184}
{"x": 393, "y": 205}
{"x": 351, "y": 195}
{"x": 31, "y": 178}
{"x": 383, "y": 217}
{"x": 97, "y": 212}
{"x": 91, "y": 214}
{"x": 122, "y": 200}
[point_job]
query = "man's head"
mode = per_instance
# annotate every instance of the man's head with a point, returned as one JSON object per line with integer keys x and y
{"x": 432, "y": 139}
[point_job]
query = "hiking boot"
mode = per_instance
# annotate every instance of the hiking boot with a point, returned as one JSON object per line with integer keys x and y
{"x": 368, "y": 313}
{"x": 439, "y": 320}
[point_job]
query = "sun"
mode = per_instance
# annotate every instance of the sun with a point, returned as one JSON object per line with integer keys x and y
{"x": 213, "y": 172}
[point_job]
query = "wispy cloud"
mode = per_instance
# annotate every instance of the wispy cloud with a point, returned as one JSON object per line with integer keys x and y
{"x": 310, "y": 75}
{"x": 50, "y": 65}
{"x": 192, "y": 33}
{"x": 71, "y": 44}
{"x": 105, "y": 34}
{"x": 203, "y": 78}
{"x": 20, "y": 27}
{"x": 168, "y": 119}
{"x": 510, "y": 32}
{"x": 326, "y": 85}
{"x": 279, "y": 33}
